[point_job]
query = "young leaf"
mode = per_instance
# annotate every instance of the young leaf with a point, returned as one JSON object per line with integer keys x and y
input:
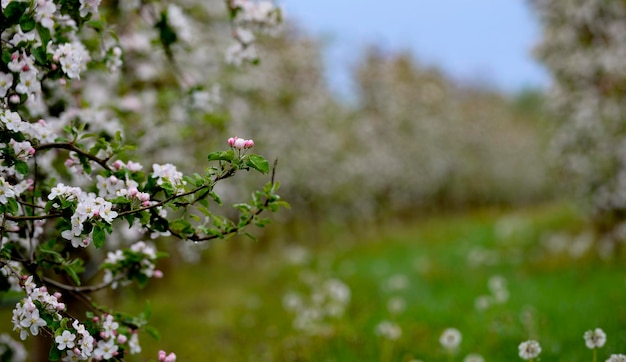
{"x": 98, "y": 236}
{"x": 258, "y": 163}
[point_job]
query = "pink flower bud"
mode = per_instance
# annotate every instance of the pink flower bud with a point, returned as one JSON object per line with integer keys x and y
{"x": 248, "y": 144}
{"x": 62, "y": 81}
{"x": 55, "y": 58}
{"x": 103, "y": 335}
{"x": 231, "y": 141}
{"x": 118, "y": 164}
{"x": 239, "y": 143}
{"x": 162, "y": 355}
{"x": 170, "y": 357}
{"x": 145, "y": 203}
{"x": 61, "y": 307}
{"x": 15, "y": 99}
{"x": 96, "y": 319}
{"x": 53, "y": 66}
{"x": 43, "y": 289}
{"x": 121, "y": 339}
{"x": 76, "y": 351}
{"x": 14, "y": 56}
{"x": 69, "y": 162}
{"x": 132, "y": 192}
{"x": 57, "y": 295}
{"x": 158, "y": 274}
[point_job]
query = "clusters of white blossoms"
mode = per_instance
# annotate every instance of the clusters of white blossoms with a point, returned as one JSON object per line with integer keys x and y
{"x": 250, "y": 17}
{"x": 583, "y": 47}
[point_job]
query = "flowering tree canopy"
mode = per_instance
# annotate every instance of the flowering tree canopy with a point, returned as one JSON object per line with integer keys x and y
{"x": 77, "y": 206}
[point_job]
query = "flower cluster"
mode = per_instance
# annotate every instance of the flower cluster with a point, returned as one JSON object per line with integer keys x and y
{"x": 136, "y": 263}
{"x": 250, "y": 17}
{"x": 583, "y": 47}
{"x": 240, "y": 143}
{"x": 28, "y": 313}
{"x": 66, "y": 182}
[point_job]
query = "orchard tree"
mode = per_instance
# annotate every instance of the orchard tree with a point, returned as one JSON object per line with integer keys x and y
{"x": 73, "y": 190}
{"x": 583, "y": 47}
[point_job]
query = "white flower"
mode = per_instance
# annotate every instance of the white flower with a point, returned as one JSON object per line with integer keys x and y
{"x": 6, "y": 81}
{"x": 617, "y": 358}
{"x": 73, "y": 58}
{"x": 450, "y": 338}
{"x": 388, "y": 330}
{"x": 65, "y": 340}
{"x": 473, "y": 357}
{"x": 529, "y": 349}
{"x": 44, "y": 13}
{"x": 89, "y": 7}
{"x": 105, "y": 349}
{"x": 595, "y": 338}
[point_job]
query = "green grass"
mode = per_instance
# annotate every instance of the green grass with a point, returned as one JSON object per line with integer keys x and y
{"x": 230, "y": 307}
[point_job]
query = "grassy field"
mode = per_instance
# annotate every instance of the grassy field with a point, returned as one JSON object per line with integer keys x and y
{"x": 498, "y": 277}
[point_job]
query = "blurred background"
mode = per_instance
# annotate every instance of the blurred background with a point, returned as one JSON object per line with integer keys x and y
{"x": 449, "y": 164}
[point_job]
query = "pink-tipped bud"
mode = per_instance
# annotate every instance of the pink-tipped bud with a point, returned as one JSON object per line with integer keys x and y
{"x": 55, "y": 58}
{"x": 62, "y": 81}
{"x": 103, "y": 335}
{"x": 121, "y": 339}
{"x": 162, "y": 355}
{"x": 69, "y": 162}
{"x": 61, "y": 307}
{"x": 76, "y": 351}
{"x": 57, "y": 295}
{"x": 15, "y": 99}
{"x": 145, "y": 203}
{"x": 132, "y": 192}
{"x": 14, "y": 56}
{"x": 231, "y": 141}
{"x": 239, "y": 143}
{"x": 170, "y": 357}
{"x": 96, "y": 319}
{"x": 144, "y": 197}
{"x": 53, "y": 66}
{"x": 158, "y": 274}
{"x": 118, "y": 164}
{"x": 248, "y": 144}
{"x": 43, "y": 289}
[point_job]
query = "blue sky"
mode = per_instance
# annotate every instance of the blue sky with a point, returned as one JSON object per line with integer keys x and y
{"x": 471, "y": 40}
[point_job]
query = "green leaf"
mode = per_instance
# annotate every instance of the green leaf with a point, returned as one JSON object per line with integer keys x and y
{"x": 153, "y": 332}
{"x": 99, "y": 236}
{"x": 147, "y": 311}
{"x": 44, "y": 34}
{"x": 40, "y": 55}
{"x": 21, "y": 167}
{"x": 13, "y": 12}
{"x": 12, "y": 207}
{"x": 96, "y": 25}
{"x": 27, "y": 23}
{"x": 181, "y": 226}
{"x": 222, "y": 156}
{"x": 72, "y": 273}
{"x": 258, "y": 163}
{"x": 55, "y": 353}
